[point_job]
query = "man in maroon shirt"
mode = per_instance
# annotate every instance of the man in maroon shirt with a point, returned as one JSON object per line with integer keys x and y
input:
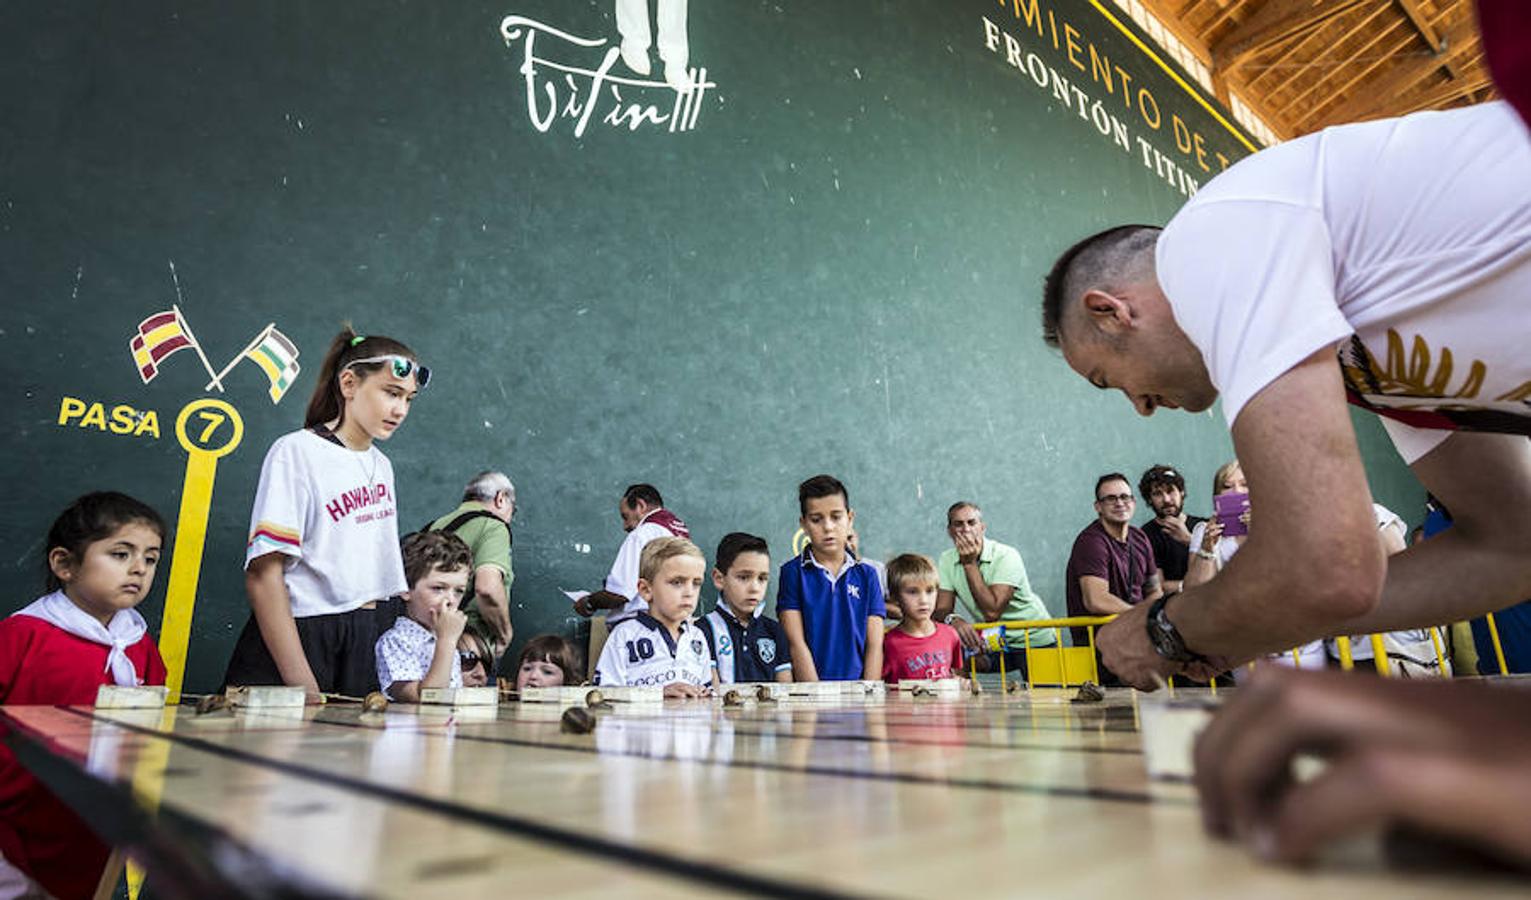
{"x": 1111, "y": 567}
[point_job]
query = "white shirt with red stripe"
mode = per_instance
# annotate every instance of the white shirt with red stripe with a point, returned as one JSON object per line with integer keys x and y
{"x": 332, "y": 512}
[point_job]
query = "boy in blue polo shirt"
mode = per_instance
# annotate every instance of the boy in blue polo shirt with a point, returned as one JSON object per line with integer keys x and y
{"x": 747, "y": 646}
{"x": 831, "y": 604}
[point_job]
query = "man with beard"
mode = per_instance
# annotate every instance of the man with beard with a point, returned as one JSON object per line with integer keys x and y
{"x": 1170, "y": 531}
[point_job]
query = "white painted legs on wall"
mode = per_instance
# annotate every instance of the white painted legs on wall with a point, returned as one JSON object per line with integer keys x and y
{"x": 637, "y": 36}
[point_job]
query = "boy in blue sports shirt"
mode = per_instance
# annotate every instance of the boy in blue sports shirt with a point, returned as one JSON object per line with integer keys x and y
{"x": 747, "y": 646}
{"x": 831, "y": 604}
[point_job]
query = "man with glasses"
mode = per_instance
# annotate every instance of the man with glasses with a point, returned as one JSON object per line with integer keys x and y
{"x": 1111, "y": 568}
{"x": 483, "y": 523}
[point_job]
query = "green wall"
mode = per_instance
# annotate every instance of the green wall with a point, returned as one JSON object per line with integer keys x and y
{"x": 831, "y": 263}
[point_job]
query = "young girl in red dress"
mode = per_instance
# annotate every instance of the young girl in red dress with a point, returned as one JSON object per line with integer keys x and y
{"x": 102, "y": 553}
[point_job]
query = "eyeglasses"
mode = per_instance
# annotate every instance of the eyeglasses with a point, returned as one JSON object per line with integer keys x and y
{"x": 469, "y": 659}
{"x": 403, "y": 367}
{"x": 1114, "y": 498}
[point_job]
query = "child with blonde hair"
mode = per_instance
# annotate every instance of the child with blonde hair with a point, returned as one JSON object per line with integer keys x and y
{"x": 663, "y": 646}
{"x": 919, "y": 648}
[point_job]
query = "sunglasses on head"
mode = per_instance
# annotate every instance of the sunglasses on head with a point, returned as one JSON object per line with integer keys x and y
{"x": 402, "y": 367}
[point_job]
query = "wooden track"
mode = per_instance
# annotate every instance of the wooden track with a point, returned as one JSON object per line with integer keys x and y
{"x": 894, "y": 796}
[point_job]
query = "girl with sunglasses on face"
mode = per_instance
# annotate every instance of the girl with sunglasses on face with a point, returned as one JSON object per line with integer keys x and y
{"x": 324, "y": 537}
{"x": 475, "y": 659}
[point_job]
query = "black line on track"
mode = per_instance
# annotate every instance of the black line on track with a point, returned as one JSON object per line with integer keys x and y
{"x": 696, "y": 870}
{"x": 981, "y": 784}
{"x": 868, "y": 739}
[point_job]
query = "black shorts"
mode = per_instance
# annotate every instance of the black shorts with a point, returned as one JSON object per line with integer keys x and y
{"x": 339, "y": 648}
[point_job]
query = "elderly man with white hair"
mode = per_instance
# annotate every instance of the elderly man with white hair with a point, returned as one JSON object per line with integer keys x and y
{"x": 483, "y": 523}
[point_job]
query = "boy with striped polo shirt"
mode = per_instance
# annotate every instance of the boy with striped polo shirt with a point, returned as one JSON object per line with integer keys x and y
{"x": 746, "y": 645}
{"x": 831, "y": 604}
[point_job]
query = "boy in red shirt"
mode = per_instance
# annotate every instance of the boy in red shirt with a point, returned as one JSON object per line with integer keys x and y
{"x": 919, "y": 648}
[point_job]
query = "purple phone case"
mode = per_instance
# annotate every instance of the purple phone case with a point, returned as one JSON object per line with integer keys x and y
{"x": 1228, "y": 509}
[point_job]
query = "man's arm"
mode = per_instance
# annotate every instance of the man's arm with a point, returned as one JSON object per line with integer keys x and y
{"x": 1097, "y": 597}
{"x": 1295, "y": 443}
{"x": 946, "y": 605}
{"x": 622, "y": 581}
{"x": 1481, "y": 563}
{"x": 803, "y": 668}
{"x": 588, "y": 604}
{"x": 990, "y": 599}
{"x": 493, "y": 602}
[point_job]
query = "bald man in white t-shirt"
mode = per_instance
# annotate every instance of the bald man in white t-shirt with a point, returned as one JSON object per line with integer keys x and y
{"x": 1388, "y": 264}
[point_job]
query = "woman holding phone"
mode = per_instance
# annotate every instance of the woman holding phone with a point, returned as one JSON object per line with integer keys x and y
{"x": 1216, "y": 540}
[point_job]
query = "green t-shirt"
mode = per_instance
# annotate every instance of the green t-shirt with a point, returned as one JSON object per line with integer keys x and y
{"x": 998, "y": 564}
{"x": 489, "y": 541}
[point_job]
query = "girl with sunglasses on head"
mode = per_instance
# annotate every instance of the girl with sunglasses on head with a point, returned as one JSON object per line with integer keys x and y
{"x": 324, "y": 537}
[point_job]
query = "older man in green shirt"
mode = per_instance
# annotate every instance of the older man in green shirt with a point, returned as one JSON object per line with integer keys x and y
{"x": 990, "y": 580}
{"x": 483, "y": 522}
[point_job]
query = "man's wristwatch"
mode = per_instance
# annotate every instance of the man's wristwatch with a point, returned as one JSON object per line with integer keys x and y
{"x": 1165, "y": 637}
{"x": 949, "y": 618}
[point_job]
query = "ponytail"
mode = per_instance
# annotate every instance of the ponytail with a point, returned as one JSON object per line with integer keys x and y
{"x": 327, "y": 404}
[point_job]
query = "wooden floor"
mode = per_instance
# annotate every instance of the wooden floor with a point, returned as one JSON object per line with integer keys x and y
{"x": 914, "y": 797}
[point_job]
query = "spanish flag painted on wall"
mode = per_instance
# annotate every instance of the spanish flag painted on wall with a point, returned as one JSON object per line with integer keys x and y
{"x": 158, "y": 336}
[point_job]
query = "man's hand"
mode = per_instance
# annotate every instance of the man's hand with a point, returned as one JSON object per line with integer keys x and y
{"x": 1126, "y": 650}
{"x": 597, "y": 600}
{"x": 1439, "y": 756}
{"x": 680, "y": 690}
{"x": 1174, "y": 526}
{"x": 967, "y": 634}
{"x": 968, "y": 548}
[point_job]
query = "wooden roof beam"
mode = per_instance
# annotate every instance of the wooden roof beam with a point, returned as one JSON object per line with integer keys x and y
{"x": 1446, "y": 93}
{"x": 1416, "y": 17}
{"x": 1321, "y": 68}
{"x": 1177, "y": 26}
{"x": 1219, "y": 17}
{"x": 1373, "y": 101}
{"x": 1276, "y": 21}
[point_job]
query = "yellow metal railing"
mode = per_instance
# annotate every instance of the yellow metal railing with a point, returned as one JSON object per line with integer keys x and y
{"x": 1054, "y": 661}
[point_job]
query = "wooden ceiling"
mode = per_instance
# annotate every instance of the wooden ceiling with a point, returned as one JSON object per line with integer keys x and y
{"x": 1303, "y": 65}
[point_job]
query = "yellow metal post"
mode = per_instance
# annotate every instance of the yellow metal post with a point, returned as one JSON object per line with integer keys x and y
{"x": 1347, "y": 662}
{"x": 1493, "y": 633}
{"x": 1379, "y": 657}
{"x": 1029, "y": 666}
